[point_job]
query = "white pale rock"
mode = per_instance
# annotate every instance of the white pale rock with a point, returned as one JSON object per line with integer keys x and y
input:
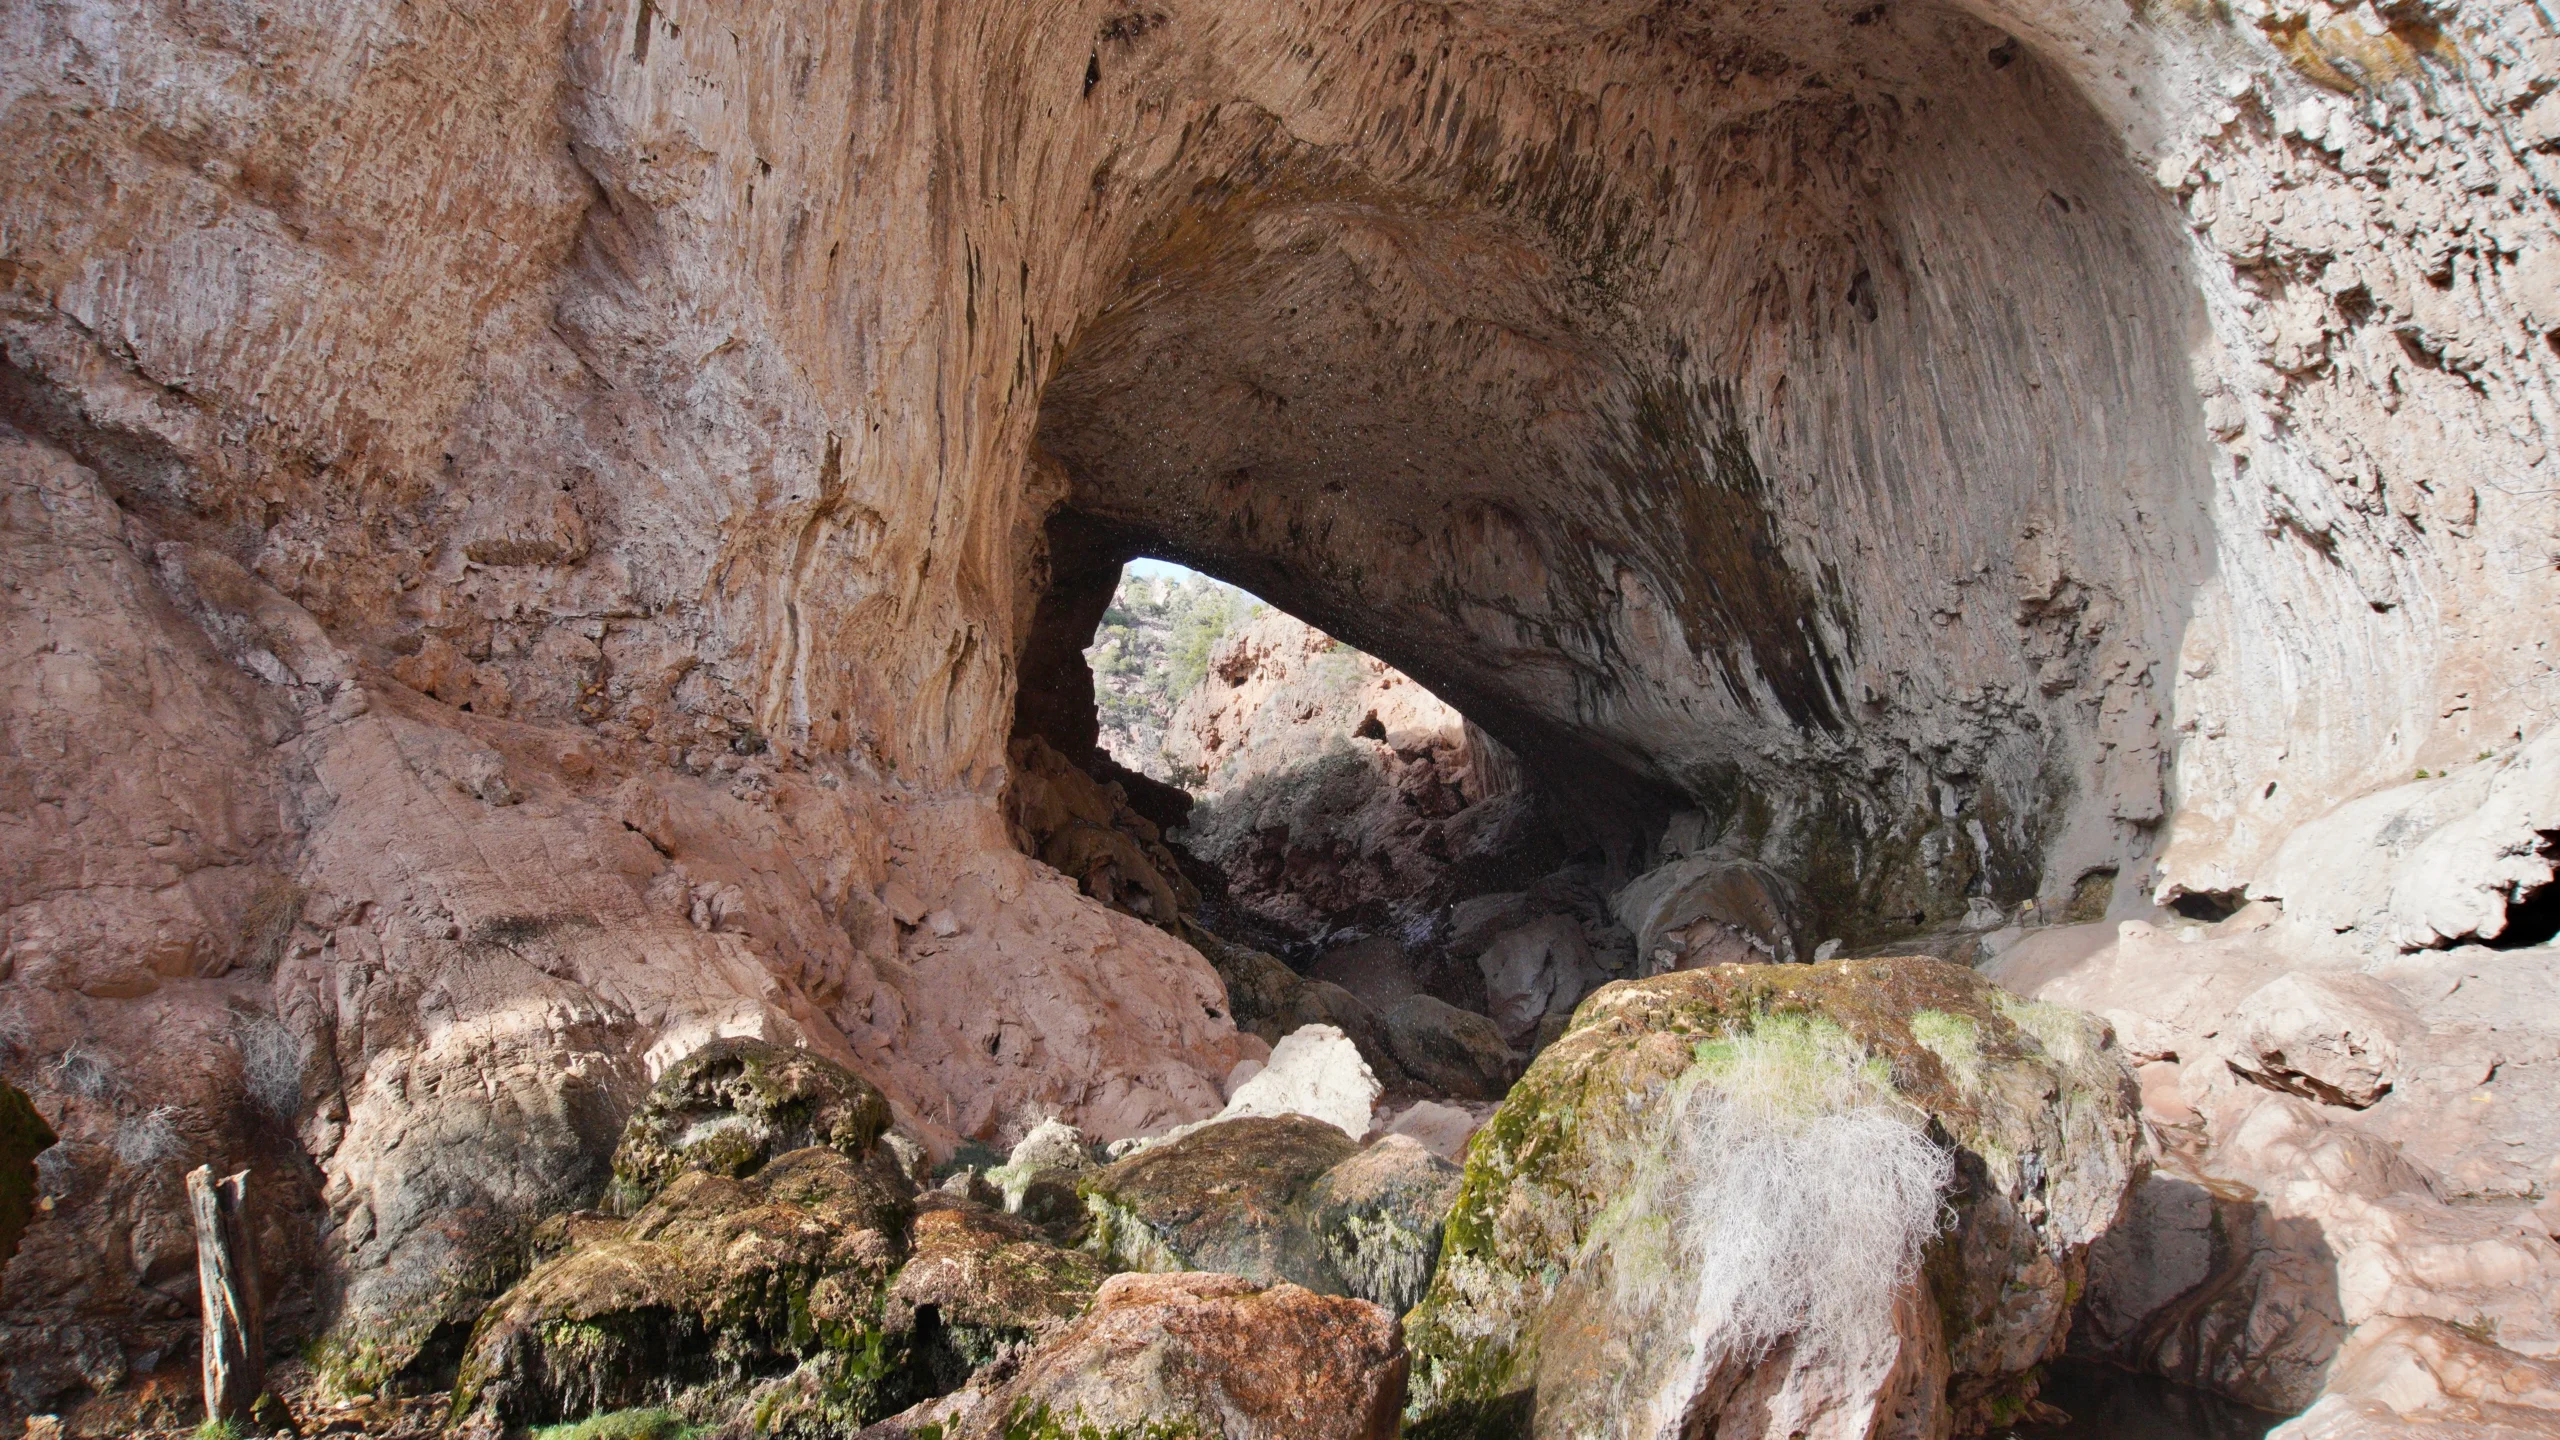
{"x": 2338, "y": 1038}
{"x": 1314, "y": 1071}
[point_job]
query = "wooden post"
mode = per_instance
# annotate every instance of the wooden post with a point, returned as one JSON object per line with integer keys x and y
{"x": 235, "y": 1352}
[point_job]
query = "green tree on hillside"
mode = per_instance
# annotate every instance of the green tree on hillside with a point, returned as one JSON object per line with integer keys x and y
{"x": 1152, "y": 649}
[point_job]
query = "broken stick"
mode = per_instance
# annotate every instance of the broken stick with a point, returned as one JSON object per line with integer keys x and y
{"x": 235, "y": 1352}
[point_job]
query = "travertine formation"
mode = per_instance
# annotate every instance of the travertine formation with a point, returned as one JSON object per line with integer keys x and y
{"x": 535, "y": 536}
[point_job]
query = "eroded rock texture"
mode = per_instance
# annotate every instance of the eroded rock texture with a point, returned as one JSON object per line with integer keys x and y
{"x": 528, "y": 529}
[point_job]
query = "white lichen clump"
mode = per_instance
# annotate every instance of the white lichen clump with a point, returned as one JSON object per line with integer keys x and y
{"x": 1792, "y": 1209}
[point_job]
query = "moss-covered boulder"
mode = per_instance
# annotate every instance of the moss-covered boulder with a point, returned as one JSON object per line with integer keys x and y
{"x": 1380, "y": 1215}
{"x": 1275, "y": 1198}
{"x": 713, "y": 1282}
{"x": 23, "y": 1136}
{"x": 979, "y": 1289}
{"x": 1225, "y": 1197}
{"x": 1832, "y": 1201}
{"x": 978, "y": 1284}
{"x": 734, "y": 1104}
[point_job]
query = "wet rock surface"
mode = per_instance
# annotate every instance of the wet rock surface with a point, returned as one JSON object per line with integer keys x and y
{"x": 713, "y": 1280}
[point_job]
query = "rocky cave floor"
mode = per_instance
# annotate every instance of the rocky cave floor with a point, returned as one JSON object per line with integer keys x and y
{"x": 170, "y": 1406}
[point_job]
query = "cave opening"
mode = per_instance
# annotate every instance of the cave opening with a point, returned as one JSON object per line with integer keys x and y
{"x": 1788, "y": 481}
{"x": 1308, "y": 805}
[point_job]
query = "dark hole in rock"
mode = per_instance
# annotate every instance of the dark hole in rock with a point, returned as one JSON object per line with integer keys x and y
{"x": 2533, "y": 918}
{"x": 2209, "y": 906}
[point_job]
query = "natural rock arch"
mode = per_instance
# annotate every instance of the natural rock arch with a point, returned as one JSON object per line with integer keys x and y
{"x": 1805, "y": 430}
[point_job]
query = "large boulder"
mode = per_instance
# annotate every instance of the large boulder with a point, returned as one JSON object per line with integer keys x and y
{"x": 715, "y": 1279}
{"x": 1454, "y": 1051}
{"x": 1224, "y": 1197}
{"x": 1194, "y": 1355}
{"x": 1270, "y": 1000}
{"x": 1279, "y": 1198}
{"x": 1314, "y": 1071}
{"x": 1379, "y": 1215}
{"x": 2338, "y": 1038}
{"x": 1839, "y": 1200}
{"x": 1710, "y": 909}
{"x": 1539, "y": 967}
{"x": 733, "y": 1105}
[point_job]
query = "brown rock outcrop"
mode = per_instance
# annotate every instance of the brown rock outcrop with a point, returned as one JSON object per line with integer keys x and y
{"x": 1336, "y": 792}
{"x": 1202, "y": 1354}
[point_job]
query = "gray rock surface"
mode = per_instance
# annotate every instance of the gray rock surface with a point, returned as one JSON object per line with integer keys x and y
{"x": 1535, "y": 970}
{"x": 1453, "y": 1051}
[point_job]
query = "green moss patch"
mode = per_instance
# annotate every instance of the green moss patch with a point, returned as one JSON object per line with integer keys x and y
{"x": 647, "y": 1424}
{"x": 2034, "y": 1100}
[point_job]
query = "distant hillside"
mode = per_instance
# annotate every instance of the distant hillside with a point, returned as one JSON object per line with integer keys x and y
{"x": 1150, "y": 651}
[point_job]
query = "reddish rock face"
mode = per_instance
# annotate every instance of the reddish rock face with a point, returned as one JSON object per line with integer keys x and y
{"x": 1213, "y": 1351}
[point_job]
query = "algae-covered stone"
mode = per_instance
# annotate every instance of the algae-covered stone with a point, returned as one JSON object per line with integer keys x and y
{"x": 1279, "y": 1198}
{"x": 979, "y": 1289}
{"x": 23, "y": 1136}
{"x": 979, "y": 1284}
{"x": 1038, "y": 1178}
{"x": 1840, "y": 1200}
{"x": 734, "y": 1104}
{"x": 1224, "y": 1197}
{"x": 714, "y": 1280}
{"x": 1379, "y": 1215}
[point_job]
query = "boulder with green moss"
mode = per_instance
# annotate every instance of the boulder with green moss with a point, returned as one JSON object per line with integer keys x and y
{"x": 23, "y": 1136}
{"x": 1274, "y": 1198}
{"x": 1842, "y": 1201}
{"x": 1380, "y": 1215}
{"x": 714, "y": 1281}
{"x": 1226, "y": 1197}
{"x": 979, "y": 1289}
{"x": 734, "y": 1104}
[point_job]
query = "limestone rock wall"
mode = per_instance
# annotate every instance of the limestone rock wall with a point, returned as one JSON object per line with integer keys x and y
{"x": 521, "y": 519}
